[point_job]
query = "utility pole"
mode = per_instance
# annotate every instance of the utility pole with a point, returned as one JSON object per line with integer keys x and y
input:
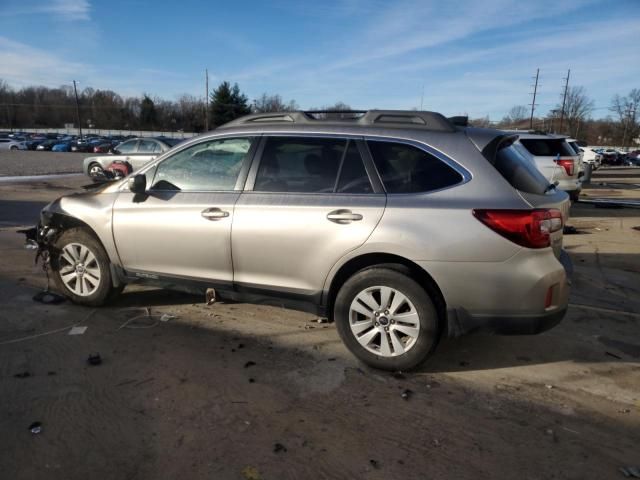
{"x": 206, "y": 100}
{"x": 630, "y": 111}
{"x": 564, "y": 99}
{"x": 75, "y": 90}
{"x": 533, "y": 103}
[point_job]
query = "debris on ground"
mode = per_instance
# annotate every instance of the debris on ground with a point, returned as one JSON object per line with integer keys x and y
{"x": 613, "y": 355}
{"x": 77, "y": 330}
{"x": 94, "y": 359}
{"x": 308, "y": 327}
{"x": 630, "y": 472}
{"x": 278, "y": 447}
{"x": 252, "y": 380}
{"x": 251, "y": 473}
{"x": 406, "y": 394}
{"x": 322, "y": 320}
{"x": 24, "y": 374}
{"x": 250, "y": 363}
{"x": 210, "y": 296}
{"x": 374, "y": 463}
{"x": 48, "y": 298}
{"x": 35, "y": 428}
{"x": 398, "y": 375}
{"x": 549, "y": 387}
{"x": 569, "y": 230}
{"x": 165, "y": 317}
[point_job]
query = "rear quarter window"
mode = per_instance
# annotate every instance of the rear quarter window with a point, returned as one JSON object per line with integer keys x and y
{"x": 519, "y": 171}
{"x": 407, "y": 169}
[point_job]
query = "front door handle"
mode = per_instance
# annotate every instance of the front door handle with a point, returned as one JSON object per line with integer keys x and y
{"x": 214, "y": 213}
{"x": 343, "y": 216}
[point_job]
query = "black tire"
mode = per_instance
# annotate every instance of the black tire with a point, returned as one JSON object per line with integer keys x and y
{"x": 104, "y": 289}
{"x": 428, "y": 335}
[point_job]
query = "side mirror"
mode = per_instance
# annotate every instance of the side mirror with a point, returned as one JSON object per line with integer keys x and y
{"x": 138, "y": 183}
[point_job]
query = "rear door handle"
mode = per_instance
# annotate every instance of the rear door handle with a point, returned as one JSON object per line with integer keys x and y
{"x": 214, "y": 214}
{"x": 343, "y": 216}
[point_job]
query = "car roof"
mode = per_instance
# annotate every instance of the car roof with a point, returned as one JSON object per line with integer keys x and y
{"x": 357, "y": 119}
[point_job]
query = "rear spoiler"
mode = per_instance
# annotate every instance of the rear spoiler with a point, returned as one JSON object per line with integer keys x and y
{"x": 492, "y": 148}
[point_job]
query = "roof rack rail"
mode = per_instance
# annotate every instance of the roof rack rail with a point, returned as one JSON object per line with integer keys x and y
{"x": 460, "y": 120}
{"x": 381, "y": 118}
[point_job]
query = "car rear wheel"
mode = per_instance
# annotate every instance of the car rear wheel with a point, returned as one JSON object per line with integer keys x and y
{"x": 386, "y": 319}
{"x": 13, "y": 147}
{"x": 81, "y": 268}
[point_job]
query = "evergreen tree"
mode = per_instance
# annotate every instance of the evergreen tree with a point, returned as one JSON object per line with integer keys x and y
{"x": 228, "y": 103}
{"x": 147, "y": 112}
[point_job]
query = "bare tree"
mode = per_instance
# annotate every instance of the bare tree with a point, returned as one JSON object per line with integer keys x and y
{"x": 577, "y": 108}
{"x": 273, "y": 103}
{"x": 626, "y": 109}
{"x": 516, "y": 114}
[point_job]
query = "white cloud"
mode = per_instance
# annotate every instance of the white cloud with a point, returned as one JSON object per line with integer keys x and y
{"x": 67, "y": 10}
{"x": 22, "y": 65}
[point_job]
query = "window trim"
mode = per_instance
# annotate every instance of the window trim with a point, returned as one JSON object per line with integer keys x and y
{"x": 358, "y": 139}
{"x": 428, "y": 149}
{"x": 242, "y": 174}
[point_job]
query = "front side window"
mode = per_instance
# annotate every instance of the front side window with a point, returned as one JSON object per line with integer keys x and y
{"x": 408, "y": 169}
{"x": 207, "y": 166}
{"x": 127, "y": 147}
{"x": 311, "y": 165}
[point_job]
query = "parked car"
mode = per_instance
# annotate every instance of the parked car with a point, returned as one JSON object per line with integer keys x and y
{"x": 61, "y": 146}
{"x": 136, "y": 152}
{"x": 592, "y": 157}
{"x": 103, "y": 147}
{"x": 11, "y": 144}
{"x": 554, "y": 158}
{"x": 46, "y": 145}
{"x": 611, "y": 156}
{"x": 400, "y": 226}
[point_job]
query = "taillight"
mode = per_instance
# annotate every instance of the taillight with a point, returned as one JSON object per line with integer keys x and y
{"x": 528, "y": 228}
{"x": 567, "y": 164}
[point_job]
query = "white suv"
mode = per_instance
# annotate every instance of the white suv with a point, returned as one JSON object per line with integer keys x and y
{"x": 554, "y": 158}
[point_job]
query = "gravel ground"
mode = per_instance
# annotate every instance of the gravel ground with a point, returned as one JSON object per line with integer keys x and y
{"x": 39, "y": 163}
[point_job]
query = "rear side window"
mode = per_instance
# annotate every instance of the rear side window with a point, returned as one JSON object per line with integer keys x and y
{"x": 311, "y": 165}
{"x": 547, "y": 147}
{"x": 127, "y": 147}
{"x": 407, "y": 169}
{"x": 519, "y": 172}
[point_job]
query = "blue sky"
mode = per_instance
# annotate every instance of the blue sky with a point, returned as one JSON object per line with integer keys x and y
{"x": 473, "y": 57}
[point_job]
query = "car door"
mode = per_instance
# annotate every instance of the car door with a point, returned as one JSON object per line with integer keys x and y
{"x": 307, "y": 203}
{"x": 181, "y": 227}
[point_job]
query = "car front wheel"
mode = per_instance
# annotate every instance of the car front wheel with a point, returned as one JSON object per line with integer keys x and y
{"x": 386, "y": 319}
{"x": 96, "y": 171}
{"x": 81, "y": 268}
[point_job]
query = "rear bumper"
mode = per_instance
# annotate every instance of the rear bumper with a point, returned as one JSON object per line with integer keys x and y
{"x": 461, "y": 320}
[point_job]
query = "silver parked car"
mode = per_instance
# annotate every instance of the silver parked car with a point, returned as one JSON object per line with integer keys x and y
{"x": 554, "y": 158}
{"x": 12, "y": 144}
{"x": 400, "y": 226}
{"x": 134, "y": 153}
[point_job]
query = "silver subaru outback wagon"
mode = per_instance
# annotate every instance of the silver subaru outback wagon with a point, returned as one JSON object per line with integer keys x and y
{"x": 399, "y": 226}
